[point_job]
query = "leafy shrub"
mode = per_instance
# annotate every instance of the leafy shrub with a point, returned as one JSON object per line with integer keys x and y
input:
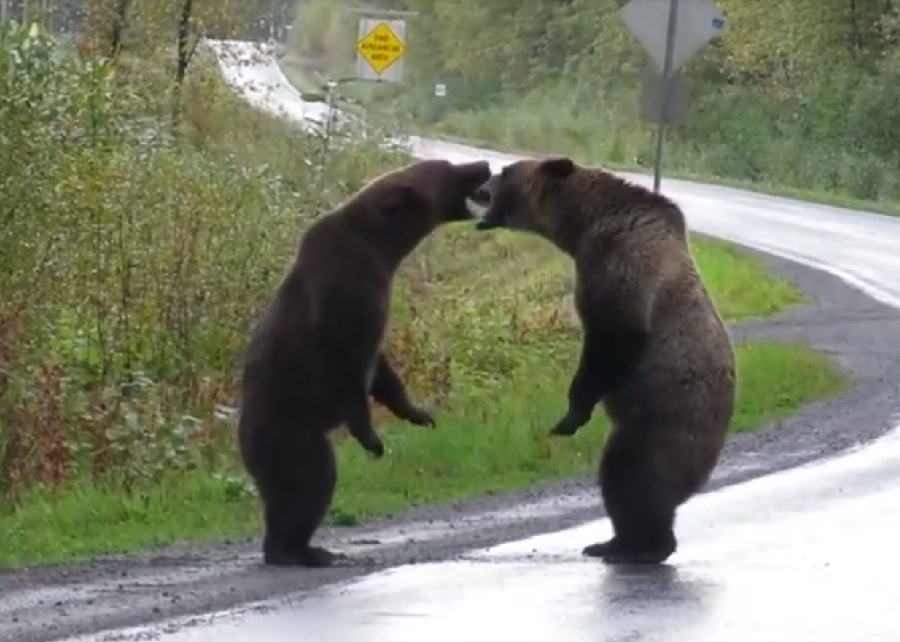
{"x": 133, "y": 261}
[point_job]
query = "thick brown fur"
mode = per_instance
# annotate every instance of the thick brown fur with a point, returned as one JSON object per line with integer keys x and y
{"x": 316, "y": 356}
{"x": 655, "y": 350}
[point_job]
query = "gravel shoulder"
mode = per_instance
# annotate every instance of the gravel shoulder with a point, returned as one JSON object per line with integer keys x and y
{"x": 51, "y": 603}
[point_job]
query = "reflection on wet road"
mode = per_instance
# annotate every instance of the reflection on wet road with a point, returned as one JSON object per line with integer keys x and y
{"x": 801, "y": 555}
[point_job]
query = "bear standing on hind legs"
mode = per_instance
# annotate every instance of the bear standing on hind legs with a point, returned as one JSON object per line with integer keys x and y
{"x": 655, "y": 351}
{"x": 316, "y": 355}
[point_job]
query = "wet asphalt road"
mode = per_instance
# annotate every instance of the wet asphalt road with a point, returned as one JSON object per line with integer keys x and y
{"x": 752, "y": 556}
{"x": 764, "y": 560}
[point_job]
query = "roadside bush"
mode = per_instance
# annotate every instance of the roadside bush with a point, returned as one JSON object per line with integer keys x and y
{"x": 133, "y": 261}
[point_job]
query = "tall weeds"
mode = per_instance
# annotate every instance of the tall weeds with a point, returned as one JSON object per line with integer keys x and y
{"x": 133, "y": 261}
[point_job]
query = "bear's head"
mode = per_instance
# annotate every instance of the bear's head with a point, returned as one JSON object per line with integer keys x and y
{"x": 516, "y": 198}
{"x": 566, "y": 203}
{"x": 426, "y": 194}
{"x": 399, "y": 209}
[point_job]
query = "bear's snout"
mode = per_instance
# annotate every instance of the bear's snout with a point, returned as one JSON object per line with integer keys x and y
{"x": 482, "y": 196}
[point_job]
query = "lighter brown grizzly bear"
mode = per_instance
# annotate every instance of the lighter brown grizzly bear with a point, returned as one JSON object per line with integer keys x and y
{"x": 316, "y": 356}
{"x": 655, "y": 350}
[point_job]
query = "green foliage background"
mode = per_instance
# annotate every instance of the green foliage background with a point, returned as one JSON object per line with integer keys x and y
{"x": 797, "y": 93}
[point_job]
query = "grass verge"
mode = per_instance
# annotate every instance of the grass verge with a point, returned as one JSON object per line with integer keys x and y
{"x": 491, "y": 445}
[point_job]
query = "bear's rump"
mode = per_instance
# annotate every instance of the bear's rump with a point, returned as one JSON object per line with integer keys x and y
{"x": 679, "y": 456}
{"x": 685, "y": 387}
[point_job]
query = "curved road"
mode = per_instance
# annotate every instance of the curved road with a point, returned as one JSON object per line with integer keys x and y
{"x": 804, "y": 554}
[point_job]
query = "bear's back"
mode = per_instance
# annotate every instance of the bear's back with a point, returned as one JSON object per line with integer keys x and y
{"x": 333, "y": 295}
{"x": 680, "y": 397}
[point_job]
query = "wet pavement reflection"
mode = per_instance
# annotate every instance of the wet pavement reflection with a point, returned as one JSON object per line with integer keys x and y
{"x": 800, "y": 555}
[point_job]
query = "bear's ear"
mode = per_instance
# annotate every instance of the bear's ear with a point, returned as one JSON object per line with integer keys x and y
{"x": 558, "y": 167}
{"x": 401, "y": 199}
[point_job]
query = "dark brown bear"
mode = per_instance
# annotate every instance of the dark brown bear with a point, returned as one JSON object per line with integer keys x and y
{"x": 316, "y": 356}
{"x": 655, "y": 350}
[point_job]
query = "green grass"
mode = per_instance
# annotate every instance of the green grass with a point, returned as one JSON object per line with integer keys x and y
{"x": 489, "y": 446}
{"x": 742, "y": 286}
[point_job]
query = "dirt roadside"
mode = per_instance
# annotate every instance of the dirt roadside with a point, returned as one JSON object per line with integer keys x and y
{"x": 52, "y": 603}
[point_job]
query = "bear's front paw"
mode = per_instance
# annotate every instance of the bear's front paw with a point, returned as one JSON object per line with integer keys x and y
{"x": 569, "y": 425}
{"x": 564, "y": 429}
{"x": 419, "y": 417}
{"x": 374, "y": 446}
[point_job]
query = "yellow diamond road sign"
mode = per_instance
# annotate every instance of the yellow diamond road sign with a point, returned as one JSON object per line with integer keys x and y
{"x": 381, "y": 47}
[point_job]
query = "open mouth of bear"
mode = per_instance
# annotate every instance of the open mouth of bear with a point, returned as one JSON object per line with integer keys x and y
{"x": 477, "y": 202}
{"x": 481, "y": 197}
{"x": 474, "y": 205}
{"x": 482, "y": 201}
{"x": 470, "y": 209}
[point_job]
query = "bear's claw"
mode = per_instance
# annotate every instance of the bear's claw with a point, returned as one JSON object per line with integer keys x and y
{"x": 420, "y": 417}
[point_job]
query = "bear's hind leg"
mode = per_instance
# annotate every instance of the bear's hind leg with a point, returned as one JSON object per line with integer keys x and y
{"x": 296, "y": 496}
{"x": 640, "y": 505}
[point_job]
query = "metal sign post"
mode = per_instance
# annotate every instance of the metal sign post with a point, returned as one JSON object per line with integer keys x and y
{"x": 671, "y": 34}
{"x": 664, "y": 94}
